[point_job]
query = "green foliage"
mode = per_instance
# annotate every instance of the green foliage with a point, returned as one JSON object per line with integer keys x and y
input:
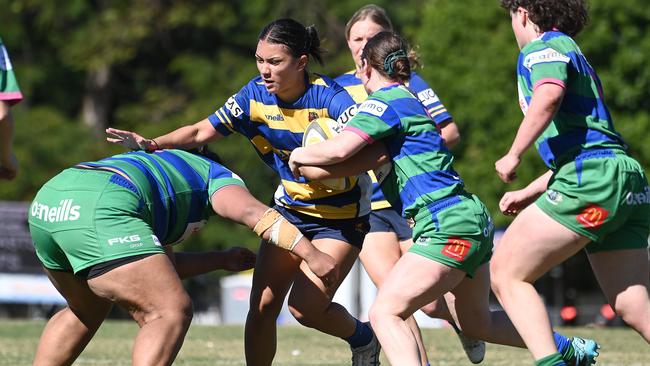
{"x": 173, "y": 63}
{"x": 473, "y": 73}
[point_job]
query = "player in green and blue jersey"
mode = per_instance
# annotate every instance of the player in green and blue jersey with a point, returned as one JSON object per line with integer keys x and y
{"x": 390, "y": 235}
{"x": 453, "y": 230}
{"x": 594, "y": 195}
{"x": 102, "y": 229}
{"x": 10, "y": 94}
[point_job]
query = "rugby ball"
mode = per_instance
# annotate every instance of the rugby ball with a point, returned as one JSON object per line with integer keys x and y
{"x": 319, "y": 130}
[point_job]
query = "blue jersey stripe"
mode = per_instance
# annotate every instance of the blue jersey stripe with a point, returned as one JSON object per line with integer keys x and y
{"x": 553, "y": 147}
{"x": 170, "y": 189}
{"x": 194, "y": 180}
{"x": 422, "y": 184}
{"x": 160, "y": 204}
{"x": 218, "y": 125}
{"x": 585, "y": 106}
{"x": 408, "y": 106}
{"x": 421, "y": 144}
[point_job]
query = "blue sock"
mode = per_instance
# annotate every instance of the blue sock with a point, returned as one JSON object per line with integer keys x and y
{"x": 362, "y": 335}
{"x": 561, "y": 342}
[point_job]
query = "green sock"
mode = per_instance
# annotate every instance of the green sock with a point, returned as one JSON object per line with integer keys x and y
{"x": 551, "y": 360}
{"x": 569, "y": 354}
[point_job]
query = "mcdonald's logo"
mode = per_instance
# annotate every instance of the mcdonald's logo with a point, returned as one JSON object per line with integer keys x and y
{"x": 457, "y": 248}
{"x": 592, "y": 217}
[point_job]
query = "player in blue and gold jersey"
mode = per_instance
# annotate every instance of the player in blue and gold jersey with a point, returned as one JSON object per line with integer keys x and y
{"x": 272, "y": 111}
{"x": 390, "y": 235}
{"x": 103, "y": 232}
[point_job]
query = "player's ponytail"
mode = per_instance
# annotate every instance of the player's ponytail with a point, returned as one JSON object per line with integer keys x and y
{"x": 388, "y": 53}
{"x": 312, "y": 45}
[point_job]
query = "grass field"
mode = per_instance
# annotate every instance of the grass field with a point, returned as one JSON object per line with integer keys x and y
{"x": 210, "y": 345}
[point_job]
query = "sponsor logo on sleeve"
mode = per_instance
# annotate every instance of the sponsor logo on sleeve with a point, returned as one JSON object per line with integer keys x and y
{"x": 346, "y": 116}
{"x": 592, "y": 217}
{"x": 428, "y": 97}
{"x": 374, "y": 107}
{"x": 65, "y": 211}
{"x": 233, "y": 107}
{"x": 457, "y": 249}
{"x": 545, "y": 55}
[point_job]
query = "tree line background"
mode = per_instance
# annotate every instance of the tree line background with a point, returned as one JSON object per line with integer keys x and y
{"x": 154, "y": 65}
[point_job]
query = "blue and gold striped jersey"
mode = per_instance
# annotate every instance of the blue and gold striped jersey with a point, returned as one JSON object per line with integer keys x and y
{"x": 425, "y": 94}
{"x": 275, "y": 128}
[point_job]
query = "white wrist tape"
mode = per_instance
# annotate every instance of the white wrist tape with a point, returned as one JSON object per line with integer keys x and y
{"x": 281, "y": 232}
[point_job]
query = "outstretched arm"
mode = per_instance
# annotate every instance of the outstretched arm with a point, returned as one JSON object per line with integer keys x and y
{"x": 237, "y": 204}
{"x": 543, "y": 106}
{"x": 190, "y": 264}
{"x": 186, "y": 137}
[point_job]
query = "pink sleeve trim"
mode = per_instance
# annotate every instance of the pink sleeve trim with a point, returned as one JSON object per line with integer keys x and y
{"x": 361, "y": 134}
{"x": 549, "y": 81}
{"x": 11, "y": 97}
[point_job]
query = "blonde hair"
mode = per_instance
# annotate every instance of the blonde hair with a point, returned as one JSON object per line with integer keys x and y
{"x": 375, "y": 13}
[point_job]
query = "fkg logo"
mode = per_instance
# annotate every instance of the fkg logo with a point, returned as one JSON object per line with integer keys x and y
{"x": 129, "y": 239}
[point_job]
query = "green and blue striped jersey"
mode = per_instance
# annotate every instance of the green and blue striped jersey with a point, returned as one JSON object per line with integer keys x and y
{"x": 583, "y": 120}
{"x": 350, "y": 82}
{"x": 9, "y": 89}
{"x": 422, "y": 165}
{"x": 175, "y": 185}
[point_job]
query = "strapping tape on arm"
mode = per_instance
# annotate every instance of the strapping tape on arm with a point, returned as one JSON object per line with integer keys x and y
{"x": 282, "y": 233}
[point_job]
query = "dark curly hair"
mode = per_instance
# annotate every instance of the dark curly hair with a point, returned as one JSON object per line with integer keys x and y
{"x": 568, "y": 16}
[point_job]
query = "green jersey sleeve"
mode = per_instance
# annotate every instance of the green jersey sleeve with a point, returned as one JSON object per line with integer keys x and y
{"x": 374, "y": 120}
